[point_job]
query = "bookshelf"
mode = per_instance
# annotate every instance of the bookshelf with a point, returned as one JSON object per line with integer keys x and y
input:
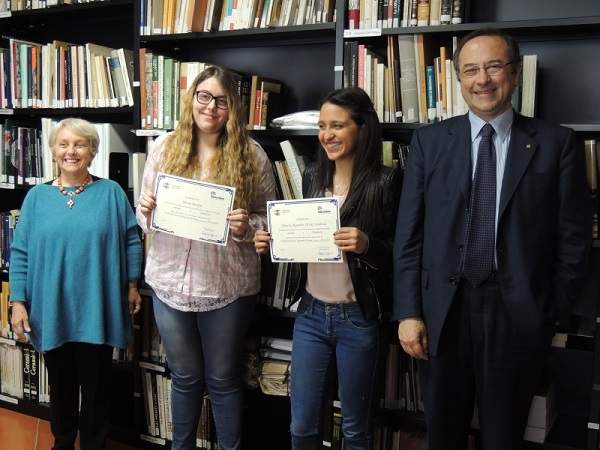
{"x": 308, "y": 60}
{"x": 565, "y": 38}
{"x": 108, "y": 23}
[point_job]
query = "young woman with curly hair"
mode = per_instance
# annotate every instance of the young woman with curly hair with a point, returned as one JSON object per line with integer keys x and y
{"x": 204, "y": 294}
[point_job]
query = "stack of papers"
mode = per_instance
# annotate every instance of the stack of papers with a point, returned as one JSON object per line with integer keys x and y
{"x": 297, "y": 121}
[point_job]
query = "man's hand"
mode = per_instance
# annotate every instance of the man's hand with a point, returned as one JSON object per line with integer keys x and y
{"x": 412, "y": 334}
{"x": 19, "y": 319}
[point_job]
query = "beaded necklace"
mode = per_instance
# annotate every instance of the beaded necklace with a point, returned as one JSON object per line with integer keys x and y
{"x": 72, "y": 194}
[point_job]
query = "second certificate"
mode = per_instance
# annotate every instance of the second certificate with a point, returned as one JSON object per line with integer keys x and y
{"x": 302, "y": 230}
{"x": 192, "y": 209}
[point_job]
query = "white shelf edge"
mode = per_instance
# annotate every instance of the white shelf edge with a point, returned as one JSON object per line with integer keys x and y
{"x": 151, "y": 366}
{"x": 7, "y": 341}
{"x": 148, "y": 133}
{"x": 7, "y": 399}
{"x": 153, "y": 439}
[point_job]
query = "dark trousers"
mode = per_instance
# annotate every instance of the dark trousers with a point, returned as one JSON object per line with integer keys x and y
{"x": 71, "y": 366}
{"x": 480, "y": 359}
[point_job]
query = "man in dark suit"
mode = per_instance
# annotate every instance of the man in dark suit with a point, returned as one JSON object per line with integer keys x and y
{"x": 493, "y": 230}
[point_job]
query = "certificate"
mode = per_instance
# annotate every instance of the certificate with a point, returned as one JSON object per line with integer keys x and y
{"x": 302, "y": 230}
{"x": 192, "y": 209}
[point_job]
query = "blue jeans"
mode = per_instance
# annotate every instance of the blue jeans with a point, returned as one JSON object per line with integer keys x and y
{"x": 324, "y": 332}
{"x": 204, "y": 348}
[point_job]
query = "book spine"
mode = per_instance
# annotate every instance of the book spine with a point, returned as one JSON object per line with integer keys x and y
{"x": 33, "y": 375}
{"x": 25, "y": 374}
{"x": 430, "y": 84}
{"x": 446, "y": 12}
{"x": 457, "y": 11}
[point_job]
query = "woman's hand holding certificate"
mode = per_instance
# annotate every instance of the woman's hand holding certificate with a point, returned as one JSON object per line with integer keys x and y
{"x": 302, "y": 230}
{"x": 192, "y": 209}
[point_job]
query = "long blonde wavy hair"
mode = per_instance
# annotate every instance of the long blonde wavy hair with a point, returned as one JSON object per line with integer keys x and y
{"x": 235, "y": 164}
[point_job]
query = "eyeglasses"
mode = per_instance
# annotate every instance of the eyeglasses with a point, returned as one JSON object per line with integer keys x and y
{"x": 204, "y": 98}
{"x": 491, "y": 69}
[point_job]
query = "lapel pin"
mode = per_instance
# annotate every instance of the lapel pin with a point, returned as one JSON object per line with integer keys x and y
{"x": 528, "y": 146}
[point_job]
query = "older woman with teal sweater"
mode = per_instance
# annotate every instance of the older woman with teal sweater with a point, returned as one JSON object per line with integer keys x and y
{"x": 75, "y": 262}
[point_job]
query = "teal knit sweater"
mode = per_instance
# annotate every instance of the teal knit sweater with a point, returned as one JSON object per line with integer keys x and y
{"x": 71, "y": 266}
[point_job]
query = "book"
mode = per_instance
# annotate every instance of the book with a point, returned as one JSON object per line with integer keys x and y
{"x": 295, "y": 163}
{"x": 591, "y": 169}
{"x": 408, "y": 79}
{"x": 138, "y": 162}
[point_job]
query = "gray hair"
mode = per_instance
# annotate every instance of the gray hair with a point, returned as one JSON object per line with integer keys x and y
{"x": 80, "y": 127}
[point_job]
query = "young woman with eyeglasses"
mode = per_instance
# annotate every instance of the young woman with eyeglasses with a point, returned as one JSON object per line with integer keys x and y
{"x": 204, "y": 294}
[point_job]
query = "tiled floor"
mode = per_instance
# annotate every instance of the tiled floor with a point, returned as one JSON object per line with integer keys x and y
{"x": 21, "y": 432}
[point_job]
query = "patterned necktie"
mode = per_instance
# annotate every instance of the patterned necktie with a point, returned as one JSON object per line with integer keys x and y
{"x": 481, "y": 224}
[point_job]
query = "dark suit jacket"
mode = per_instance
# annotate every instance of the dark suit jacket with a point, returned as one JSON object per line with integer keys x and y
{"x": 544, "y": 225}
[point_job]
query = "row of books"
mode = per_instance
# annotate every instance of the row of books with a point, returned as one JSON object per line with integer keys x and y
{"x": 402, "y": 389}
{"x": 542, "y": 414}
{"x": 5, "y": 328}
{"x": 23, "y": 374}
{"x": 8, "y": 222}
{"x": 157, "y": 402}
{"x": 6, "y": 332}
{"x": 26, "y": 157}
{"x": 416, "y": 82}
{"x": 64, "y": 75}
{"x": 592, "y": 163}
{"x": 275, "y": 366}
{"x": 159, "y": 419}
{"x": 24, "y": 5}
{"x": 394, "y": 154}
{"x": 164, "y": 81}
{"x": 22, "y": 155}
{"x": 152, "y": 346}
{"x": 276, "y": 291}
{"x": 379, "y": 14}
{"x": 385, "y": 437}
{"x": 186, "y": 16}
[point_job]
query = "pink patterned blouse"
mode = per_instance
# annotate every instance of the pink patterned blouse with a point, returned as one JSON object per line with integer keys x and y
{"x": 190, "y": 275}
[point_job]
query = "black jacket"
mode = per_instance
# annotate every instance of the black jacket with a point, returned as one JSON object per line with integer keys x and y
{"x": 371, "y": 272}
